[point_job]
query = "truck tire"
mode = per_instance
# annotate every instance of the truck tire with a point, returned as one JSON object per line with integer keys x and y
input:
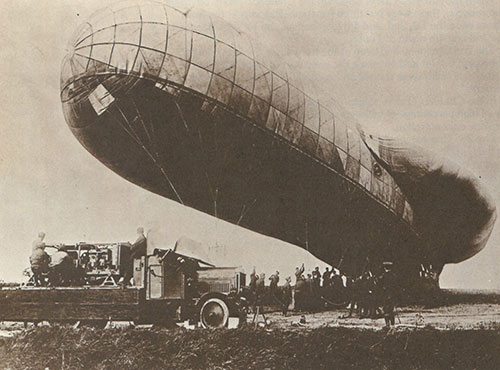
{"x": 214, "y": 313}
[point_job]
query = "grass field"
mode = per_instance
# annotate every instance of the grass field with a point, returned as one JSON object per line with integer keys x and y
{"x": 321, "y": 348}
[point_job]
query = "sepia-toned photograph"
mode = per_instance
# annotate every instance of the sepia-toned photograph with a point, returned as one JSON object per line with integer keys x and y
{"x": 231, "y": 184}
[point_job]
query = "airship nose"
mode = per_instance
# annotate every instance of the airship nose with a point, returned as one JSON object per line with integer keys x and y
{"x": 128, "y": 40}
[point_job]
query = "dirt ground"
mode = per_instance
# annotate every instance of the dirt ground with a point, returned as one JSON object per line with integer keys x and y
{"x": 463, "y": 316}
{"x": 460, "y": 316}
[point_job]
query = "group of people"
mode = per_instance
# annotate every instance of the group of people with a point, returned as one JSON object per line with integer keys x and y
{"x": 368, "y": 295}
{"x": 311, "y": 292}
{"x": 58, "y": 268}
{"x": 316, "y": 290}
{"x": 61, "y": 269}
{"x": 372, "y": 296}
{"x": 260, "y": 295}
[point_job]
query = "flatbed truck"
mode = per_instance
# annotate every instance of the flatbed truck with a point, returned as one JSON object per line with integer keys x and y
{"x": 168, "y": 287}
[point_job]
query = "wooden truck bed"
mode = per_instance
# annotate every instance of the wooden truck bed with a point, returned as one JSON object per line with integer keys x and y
{"x": 72, "y": 303}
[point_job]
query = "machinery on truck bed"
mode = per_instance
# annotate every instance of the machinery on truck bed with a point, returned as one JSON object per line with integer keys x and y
{"x": 167, "y": 286}
{"x": 94, "y": 263}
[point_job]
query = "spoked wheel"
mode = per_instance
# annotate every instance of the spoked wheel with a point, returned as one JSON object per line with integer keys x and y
{"x": 214, "y": 313}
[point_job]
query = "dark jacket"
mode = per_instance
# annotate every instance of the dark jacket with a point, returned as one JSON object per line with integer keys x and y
{"x": 260, "y": 288}
{"x": 300, "y": 286}
{"x": 389, "y": 286}
{"x": 253, "y": 281}
{"x": 287, "y": 293}
{"x": 298, "y": 274}
{"x": 326, "y": 278}
{"x": 139, "y": 248}
{"x": 274, "y": 280}
{"x": 337, "y": 281}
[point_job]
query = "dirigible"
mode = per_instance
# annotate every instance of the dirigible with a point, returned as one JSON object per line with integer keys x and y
{"x": 188, "y": 107}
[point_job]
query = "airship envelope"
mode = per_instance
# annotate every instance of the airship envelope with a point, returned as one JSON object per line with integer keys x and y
{"x": 189, "y": 107}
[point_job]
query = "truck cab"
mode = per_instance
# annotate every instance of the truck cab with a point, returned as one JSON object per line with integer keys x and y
{"x": 195, "y": 289}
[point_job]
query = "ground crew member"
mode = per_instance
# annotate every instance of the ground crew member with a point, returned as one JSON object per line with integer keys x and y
{"x": 316, "y": 279}
{"x": 309, "y": 283}
{"x": 371, "y": 297}
{"x": 260, "y": 285}
{"x": 39, "y": 261}
{"x": 337, "y": 286}
{"x": 253, "y": 280}
{"x": 300, "y": 292}
{"x": 310, "y": 297}
{"x": 337, "y": 281}
{"x": 38, "y": 242}
{"x": 287, "y": 295}
{"x": 388, "y": 286}
{"x": 253, "y": 289}
{"x": 316, "y": 275}
{"x": 351, "y": 294}
{"x": 137, "y": 250}
{"x": 298, "y": 274}
{"x": 327, "y": 278}
{"x": 260, "y": 290}
{"x": 364, "y": 294}
{"x": 275, "y": 278}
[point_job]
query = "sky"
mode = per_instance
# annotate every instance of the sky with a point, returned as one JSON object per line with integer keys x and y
{"x": 425, "y": 71}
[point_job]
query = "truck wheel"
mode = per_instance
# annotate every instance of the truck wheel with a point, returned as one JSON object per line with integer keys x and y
{"x": 214, "y": 313}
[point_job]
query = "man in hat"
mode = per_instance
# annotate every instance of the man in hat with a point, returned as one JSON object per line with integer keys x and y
{"x": 287, "y": 295}
{"x": 273, "y": 286}
{"x": 298, "y": 273}
{"x": 253, "y": 280}
{"x": 365, "y": 294}
{"x": 337, "y": 281}
{"x": 137, "y": 250}
{"x": 316, "y": 275}
{"x": 316, "y": 282}
{"x": 388, "y": 286}
{"x": 300, "y": 292}
{"x": 261, "y": 286}
{"x": 327, "y": 278}
{"x": 353, "y": 293}
{"x": 310, "y": 296}
{"x": 253, "y": 289}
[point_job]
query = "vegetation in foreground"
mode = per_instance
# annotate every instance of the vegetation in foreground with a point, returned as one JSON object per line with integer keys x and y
{"x": 339, "y": 348}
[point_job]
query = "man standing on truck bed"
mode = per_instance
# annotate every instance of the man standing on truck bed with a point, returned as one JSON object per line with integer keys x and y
{"x": 137, "y": 250}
